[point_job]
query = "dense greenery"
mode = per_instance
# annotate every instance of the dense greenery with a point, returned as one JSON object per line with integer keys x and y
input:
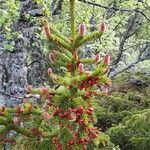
{"x": 133, "y": 133}
{"x": 9, "y": 12}
{"x": 124, "y": 115}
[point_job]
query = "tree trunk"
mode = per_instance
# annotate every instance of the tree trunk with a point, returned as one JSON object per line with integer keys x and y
{"x": 36, "y": 67}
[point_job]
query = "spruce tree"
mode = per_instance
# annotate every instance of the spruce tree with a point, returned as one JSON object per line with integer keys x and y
{"x": 65, "y": 117}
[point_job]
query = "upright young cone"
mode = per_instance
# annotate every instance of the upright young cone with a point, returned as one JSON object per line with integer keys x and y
{"x": 102, "y": 27}
{"x": 107, "y": 59}
{"x": 49, "y": 71}
{"x": 46, "y": 116}
{"x": 82, "y": 30}
{"x": 105, "y": 91}
{"x": 47, "y": 30}
{"x": 19, "y": 110}
{"x": 29, "y": 88}
{"x": 97, "y": 58}
{"x": 81, "y": 67}
{"x": 52, "y": 57}
{"x": 16, "y": 121}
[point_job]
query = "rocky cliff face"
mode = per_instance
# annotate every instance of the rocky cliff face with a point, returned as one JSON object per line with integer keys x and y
{"x": 13, "y": 65}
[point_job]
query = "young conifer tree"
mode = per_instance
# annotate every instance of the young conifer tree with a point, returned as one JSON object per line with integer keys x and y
{"x": 65, "y": 117}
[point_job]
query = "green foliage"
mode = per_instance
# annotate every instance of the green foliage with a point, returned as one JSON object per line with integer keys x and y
{"x": 9, "y": 12}
{"x": 44, "y": 5}
{"x": 106, "y": 143}
{"x": 133, "y": 133}
{"x": 123, "y": 115}
{"x": 113, "y": 109}
{"x": 125, "y": 100}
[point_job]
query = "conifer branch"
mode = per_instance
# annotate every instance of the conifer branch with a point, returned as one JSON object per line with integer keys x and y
{"x": 100, "y": 70}
{"x": 2, "y": 121}
{"x": 87, "y": 38}
{"x": 38, "y": 91}
{"x": 77, "y": 39}
{"x": 87, "y": 60}
{"x": 23, "y": 131}
{"x": 60, "y": 35}
{"x": 60, "y": 42}
{"x": 67, "y": 53}
{"x": 62, "y": 56}
{"x": 3, "y": 130}
{"x": 60, "y": 63}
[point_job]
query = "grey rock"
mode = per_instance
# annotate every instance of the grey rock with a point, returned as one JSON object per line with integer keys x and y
{"x": 35, "y": 12}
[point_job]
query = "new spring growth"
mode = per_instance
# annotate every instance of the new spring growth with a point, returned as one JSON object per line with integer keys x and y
{"x": 46, "y": 116}
{"x": 105, "y": 91}
{"x": 82, "y": 30}
{"x": 2, "y": 110}
{"x": 107, "y": 83}
{"x": 16, "y": 121}
{"x": 52, "y": 57}
{"x": 29, "y": 88}
{"x": 49, "y": 71}
{"x": 81, "y": 67}
{"x": 97, "y": 58}
{"x": 47, "y": 30}
{"x": 102, "y": 27}
{"x": 107, "y": 59}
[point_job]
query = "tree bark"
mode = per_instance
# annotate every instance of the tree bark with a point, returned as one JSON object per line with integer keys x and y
{"x": 37, "y": 65}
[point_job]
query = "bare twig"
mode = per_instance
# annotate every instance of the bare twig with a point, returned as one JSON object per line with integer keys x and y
{"x": 6, "y": 94}
{"x": 144, "y": 51}
{"x": 124, "y": 69}
{"x": 133, "y": 46}
{"x": 32, "y": 63}
{"x": 53, "y": 5}
{"x": 115, "y": 8}
{"x": 126, "y": 35}
{"x": 58, "y": 8}
{"x": 138, "y": 60}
